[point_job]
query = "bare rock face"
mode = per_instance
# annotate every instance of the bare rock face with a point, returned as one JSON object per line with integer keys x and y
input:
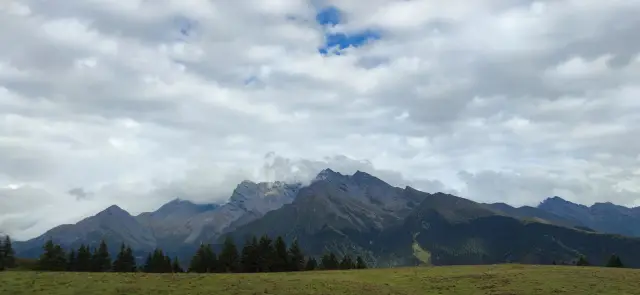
{"x": 248, "y": 202}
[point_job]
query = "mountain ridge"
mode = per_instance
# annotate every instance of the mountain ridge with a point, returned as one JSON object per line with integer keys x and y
{"x": 361, "y": 214}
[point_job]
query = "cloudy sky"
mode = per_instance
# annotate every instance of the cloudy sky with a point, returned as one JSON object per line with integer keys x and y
{"x": 135, "y": 102}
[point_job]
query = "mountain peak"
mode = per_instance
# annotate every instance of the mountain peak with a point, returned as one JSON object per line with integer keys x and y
{"x": 114, "y": 210}
{"x": 366, "y": 178}
{"x": 554, "y": 200}
{"x": 327, "y": 174}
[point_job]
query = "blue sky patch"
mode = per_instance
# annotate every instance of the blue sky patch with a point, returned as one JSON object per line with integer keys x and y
{"x": 331, "y": 16}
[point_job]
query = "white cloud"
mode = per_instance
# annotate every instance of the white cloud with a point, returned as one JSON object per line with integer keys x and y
{"x": 135, "y": 102}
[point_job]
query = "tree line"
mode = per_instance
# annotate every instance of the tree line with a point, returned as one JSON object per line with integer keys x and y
{"x": 257, "y": 255}
{"x": 614, "y": 261}
{"x": 7, "y": 254}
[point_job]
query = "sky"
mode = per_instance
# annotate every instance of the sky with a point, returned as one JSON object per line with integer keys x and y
{"x": 138, "y": 102}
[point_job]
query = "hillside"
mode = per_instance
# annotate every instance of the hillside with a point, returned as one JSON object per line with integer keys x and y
{"x": 477, "y": 280}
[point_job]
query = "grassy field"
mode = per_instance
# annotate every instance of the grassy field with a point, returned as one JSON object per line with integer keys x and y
{"x": 498, "y": 279}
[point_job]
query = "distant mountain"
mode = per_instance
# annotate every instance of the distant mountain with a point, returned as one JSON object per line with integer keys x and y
{"x": 441, "y": 233}
{"x": 534, "y": 214}
{"x": 169, "y": 225}
{"x": 602, "y": 217}
{"x": 176, "y": 226}
{"x": 362, "y": 215}
{"x": 113, "y": 224}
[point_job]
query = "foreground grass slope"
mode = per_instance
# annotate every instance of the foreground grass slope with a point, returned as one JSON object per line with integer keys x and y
{"x": 493, "y": 279}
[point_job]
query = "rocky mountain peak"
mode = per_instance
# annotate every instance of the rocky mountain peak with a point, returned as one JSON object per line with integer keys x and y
{"x": 113, "y": 211}
{"x": 328, "y": 174}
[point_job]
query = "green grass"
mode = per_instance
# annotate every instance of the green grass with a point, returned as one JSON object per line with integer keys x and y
{"x": 492, "y": 279}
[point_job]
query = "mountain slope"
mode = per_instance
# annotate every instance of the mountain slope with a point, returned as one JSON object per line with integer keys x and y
{"x": 498, "y": 239}
{"x": 248, "y": 202}
{"x": 168, "y": 224}
{"x": 337, "y": 213}
{"x": 602, "y": 217}
{"x": 534, "y": 214}
{"x": 113, "y": 224}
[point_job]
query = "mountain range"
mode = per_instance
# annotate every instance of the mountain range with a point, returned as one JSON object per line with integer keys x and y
{"x": 362, "y": 215}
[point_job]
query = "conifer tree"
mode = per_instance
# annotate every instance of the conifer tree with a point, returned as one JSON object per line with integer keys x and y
{"x": 8, "y": 254}
{"x": 229, "y": 259}
{"x": 249, "y": 255}
{"x": 296, "y": 257}
{"x": 281, "y": 257}
{"x": 198, "y": 263}
{"x": 148, "y": 264}
{"x": 2, "y": 263}
{"x": 72, "y": 261}
{"x": 582, "y": 261}
{"x": 360, "y": 264}
{"x": 312, "y": 264}
{"x": 329, "y": 261}
{"x": 118, "y": 263}
{"x": 211, "y": 260}
{"x": 129, "y": 261}
{"x": 83, "y": 259}
{"x": 204, "y": 260}
{"x": 614, "y": 261}
{"x": 53, "y": 258}
{"x": 176, "y": 266}
{"x": 125, "y": 262}
{"x": 158, "y": 262}
{"x": 101, "y": 260}
{"x": 347, "y": 263}
{"x": 266, "y": 254}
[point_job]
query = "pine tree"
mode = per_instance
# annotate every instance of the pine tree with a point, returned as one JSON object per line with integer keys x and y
{"x": 167, "y": 265}
{"x": 9, "y": 255}
{"x": 312, "y": 264}
{"x": 204, "y": 260}
{"x": 101, "y": 260}
{"x": 158, "y": 262}
{"x": 347, "y": 263}
{"x": 281, "y": 257}
{"x": 176, "y": 266}
{"x": 296, "y": 257}
{"x": 125, "y": 262}
{"x": 2, "y": 263}
{"x": 360, "y": 264}
{"x": 198, "y": 263}
{"x": 83, "y": 259}
{"x": 53, "y": 258}
{"x": 148, "y": 264}
{"x": 211, "y": 260}
{"x": 129, "y": 261}
{"x": 582, "y": 261}
{"x": 249, "y": 255}
{"x": 228, "y": 259}
{"x": 330, "y": 261}
{"x": 266, "y": 253}
{"x": 72, "y": 261}
{"x": 118, "y": 264}
{"x": 614, "y": 261}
